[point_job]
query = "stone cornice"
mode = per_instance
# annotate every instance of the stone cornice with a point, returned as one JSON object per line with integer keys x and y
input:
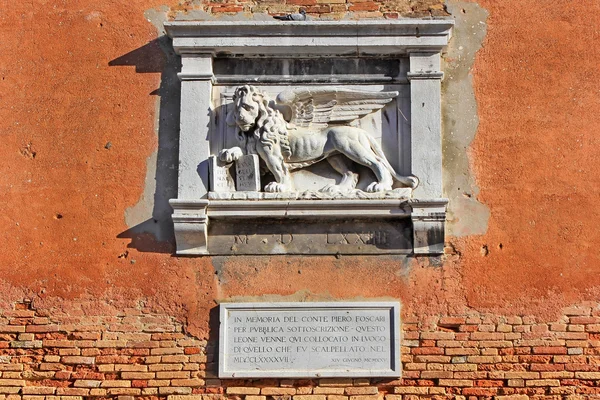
{"x": 309, "y": 38}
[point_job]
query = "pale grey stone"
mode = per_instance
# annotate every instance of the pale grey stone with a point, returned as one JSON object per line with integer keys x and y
{"x": 204, "y": 133}
{"x": 194, "y": 148}
{"x": 325, "y": 236}
{"x": 220, "y": 176}
{"x": 399, "y": 193}
{"x": 191, "y": 226}
{"x": 426, "y": 123}
{"x": 428, "y": 218}
{"x": 312, "y": 134}
{"x": 310, "y": 38}
{"x": 247, "y": 173}
{"x": 309, "y": 340}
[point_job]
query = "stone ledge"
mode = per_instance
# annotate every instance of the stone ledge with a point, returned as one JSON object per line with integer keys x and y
{"x": 375, "y": 226}
{"x": 309, "y": 38}
{"x": 400, "y": 193}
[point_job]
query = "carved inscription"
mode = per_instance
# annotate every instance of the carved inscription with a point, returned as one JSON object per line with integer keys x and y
{"x": 353, "y": 238}
{"x": 311, "y": 237}
{"x": 247, "y": 173}
{"x": 373, "y": 237}
{"x": 220, "y": 176}
{"x": 309, "y": 341}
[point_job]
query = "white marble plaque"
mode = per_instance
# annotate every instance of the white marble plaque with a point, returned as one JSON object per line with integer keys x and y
{"x": 247, "y": 173}
{"x": 220, "y": 176}
{"x": 308, "y": 340}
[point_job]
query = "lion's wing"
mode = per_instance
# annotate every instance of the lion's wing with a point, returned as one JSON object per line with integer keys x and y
{"x": 319, "y": 107}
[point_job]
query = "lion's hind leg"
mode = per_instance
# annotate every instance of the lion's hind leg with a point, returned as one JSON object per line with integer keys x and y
{"x": 349, "y": 178}
{"x": 362, "y": 154}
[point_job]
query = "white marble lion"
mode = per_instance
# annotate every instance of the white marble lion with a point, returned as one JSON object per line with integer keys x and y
{"x": 314, "y": 132}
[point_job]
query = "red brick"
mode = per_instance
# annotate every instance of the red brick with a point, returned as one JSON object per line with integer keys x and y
{"x": 427, "y": 351}
{"x": 486, "y": 328}
{"x": 452, "y": 351}
{"x": 549, "y": 350}
{"x": 438, "y": 335}
{"x": 484, "y": 359}
{"x": 521, "y": 375}
{"x": 191, "y": 350}
{"x": 112, "y": 360}
{"x": 577, "y": 310}
{"x": 194, "y": 382}
{"x": 115, "y": 383}
{"x": 77, "y": 360}
{"x": 40, "y": 390}
{"x": 468, "y": 328}
{"x": 274, "y": 391}
{"x": 42, "y": 328}
{"x": 351, "y": 391}
{"x": 584, "y": 320}
{"x": 452, "y": 321}
{"x": 437, "y": 374}
{"x": 411, "y": 390}
{"x": 366, "y": 6}
{"x": 225, "y": 9}
{"x": 535, "y": 359}
{"x": 62, "y": 375}
{"x": 479, "y": 391}
{"x": 455, "y": 382}
{"x": 72, "y": 391}
{"x": 301, "y": 2}
{"x": 137, "y": 375}
{"x": 487, "y": 336}
{"x": 471, "y": 375}
{"x": 542, "y": 382}
{"x": 547, "y": 367}
{"x": 489, "y": 383}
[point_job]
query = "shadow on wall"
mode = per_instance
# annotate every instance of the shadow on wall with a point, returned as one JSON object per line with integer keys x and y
{"x": 156, "y": 233}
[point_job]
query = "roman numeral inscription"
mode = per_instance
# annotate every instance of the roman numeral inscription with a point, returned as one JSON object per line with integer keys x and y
{"x": 311, "y": 237}
{"x": 372, "y": 237}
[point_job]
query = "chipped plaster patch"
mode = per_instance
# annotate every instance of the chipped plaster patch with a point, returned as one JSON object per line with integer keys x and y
{"x": 466, "y": 216}
{"x": 152, "y": 213}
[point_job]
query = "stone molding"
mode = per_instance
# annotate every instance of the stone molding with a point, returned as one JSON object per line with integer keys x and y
{"x": 427, "y": 216}
{"x": 309, "y": 38}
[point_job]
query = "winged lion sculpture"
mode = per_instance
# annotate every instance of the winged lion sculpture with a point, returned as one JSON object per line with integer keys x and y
{"x": 317, "y": 130}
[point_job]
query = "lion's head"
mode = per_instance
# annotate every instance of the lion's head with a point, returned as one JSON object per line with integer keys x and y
{"x": 252, "y": 114}
{"x": 249, "y": 104}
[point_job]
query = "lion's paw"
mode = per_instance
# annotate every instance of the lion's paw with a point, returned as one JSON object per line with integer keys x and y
{"x": 230, "y": 155}
{"x": 332, "y": 189}
{"x": 378, "y": 187}
{"x": 274, "y": 187}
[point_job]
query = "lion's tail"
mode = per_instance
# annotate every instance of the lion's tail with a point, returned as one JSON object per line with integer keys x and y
{"x": 410, "y": 181}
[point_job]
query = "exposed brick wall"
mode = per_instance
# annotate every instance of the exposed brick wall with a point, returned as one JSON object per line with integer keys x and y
{"x": 331, "y": 9}
{"x": 137, "y": 353}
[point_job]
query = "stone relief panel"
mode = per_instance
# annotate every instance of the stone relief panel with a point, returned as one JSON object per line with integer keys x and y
{"x": 315, "y": 141}
{"x": 313, "y": 137}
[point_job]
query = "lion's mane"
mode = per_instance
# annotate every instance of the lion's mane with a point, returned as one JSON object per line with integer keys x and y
{"x": 270, "y": 126}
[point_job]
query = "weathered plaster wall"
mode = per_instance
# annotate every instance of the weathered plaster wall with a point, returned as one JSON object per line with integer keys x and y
{"x": 88, "y": 119}
{"x": 532, "y": 157}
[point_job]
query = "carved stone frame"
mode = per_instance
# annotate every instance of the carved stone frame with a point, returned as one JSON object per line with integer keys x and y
{"x": 200, "y": 42}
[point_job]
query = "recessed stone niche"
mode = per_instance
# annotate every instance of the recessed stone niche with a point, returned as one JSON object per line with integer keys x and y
{"x": 358, "y": 105}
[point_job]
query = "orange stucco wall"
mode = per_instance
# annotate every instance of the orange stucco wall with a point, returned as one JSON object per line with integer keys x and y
{"x": 65, "y": 190}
